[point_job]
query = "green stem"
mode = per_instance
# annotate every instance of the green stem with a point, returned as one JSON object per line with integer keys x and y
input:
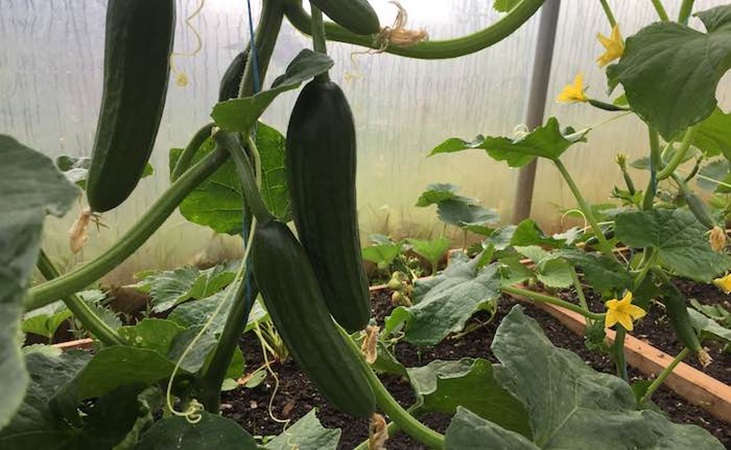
{"x": 619, "y": 357}
{"x": 579, "y": 291}
{"x": 543, "y": 298}
{"x": 661, "y": 13}
{"x": 78, "y": 279}
{"x": 437, "y": 49}
{"x": 664, "y": 374}
{"x": 319, "y": 44}
{"x": 390, "y": 406}
{"x": 186, "y": 158}
{"x": 266, "y": 34}
{"x": 608, "y": 13}
{"x": 656, "y": 164}
{"x": 679, "y": 155}
{"x": 686, "y": 8}
{"x": 584, "y": 206}
{"x": 79, "y": 308}
{"x": 649, "y": 258}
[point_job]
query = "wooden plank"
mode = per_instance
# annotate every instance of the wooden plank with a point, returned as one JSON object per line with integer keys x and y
{"x": 82, "y": 344}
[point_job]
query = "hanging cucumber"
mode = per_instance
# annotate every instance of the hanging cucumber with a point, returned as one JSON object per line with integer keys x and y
{"x": 295, "y": 304}
{"x": 677, "y": 312}
{"x": 138, "y": 42}
{"x": 321, "y": 166}
{"x": 357, "y": 16}
{"x": 231, "y": 80}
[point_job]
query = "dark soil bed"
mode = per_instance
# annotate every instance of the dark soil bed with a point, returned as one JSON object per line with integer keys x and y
{"x": 296, "y": 396}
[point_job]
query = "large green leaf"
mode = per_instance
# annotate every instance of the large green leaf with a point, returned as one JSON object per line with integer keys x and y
{"x": 45, "y": 321}
{"x": 443, "y": 386}
{"x": 31, "y": 187}
{"x": 212, "y": 431}
{"x": 573, "y": 407}
{"x": 670, "y": 71}
{"x": 468, "y": 431}
{"x": 551, "y": 269}
{"x": 713, "y": 136}
{"x": 600, "y": 272}
{"x": 155, "y": 334}
{"x": 445, "y": 302}
{"x": 36, "y": 425}
{"x": 709, "y": 329}
{"x": 679, "y": 238}
{"x": 529, "y": 233}
{"x": 306, "y": 434}
{"x": 546, "y": 141}
{"x": 197, "y": 313}
{"x": 717, "y": 170}
{"x": 240, "y": 114}
{"x": 216, "y": 202}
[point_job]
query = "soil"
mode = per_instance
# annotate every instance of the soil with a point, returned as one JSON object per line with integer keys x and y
{"x": 296, "y": 396}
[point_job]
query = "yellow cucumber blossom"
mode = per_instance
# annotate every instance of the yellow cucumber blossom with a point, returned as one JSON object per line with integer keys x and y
{"x": 623, "y": 312}
{"x": 613, "y": 46}
{"x": 573, "y": 93}
{"x": 724, "y": 283}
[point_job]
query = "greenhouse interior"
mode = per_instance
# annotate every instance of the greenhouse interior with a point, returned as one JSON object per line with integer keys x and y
{"x": 365, "y": 224}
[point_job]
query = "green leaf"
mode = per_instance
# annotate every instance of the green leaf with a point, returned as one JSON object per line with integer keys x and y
{"x": 35, "y": 425}
{"x": 445, "y": 302}
{"x": 600, "y": 272}
{"x": 455, "y": 209}
{"x": 713, "y": 136}
{"x": 544, "y": 142}
{"x": 31, "y": 186}
{"x": 240, "y": 114}
{"x": 46, "y": 320}
{"x": 573, "y": 407}
{"x": 431, "y": 250}
{"x": 670, "y": 71}
{"x": 551, "y": 270}
{"x": 383, "y": 254}
{"x": 116, "y": 366}
{"x": 719, "y": 170}
{"x": 529, "y": 233}
{"x": 709, "y": 329}
{"x": 212, "y": 431}
{"x": 198, "y": 353}
{"x": 679, "y": 238}
{"x": 152, "y": 333}
{"x": 443, "y": 386}
{"x": 306, "y": 434}
{"x": 197, "y": 313}
{"x": 216, "y": 202}
{"x": 468, "y": 431}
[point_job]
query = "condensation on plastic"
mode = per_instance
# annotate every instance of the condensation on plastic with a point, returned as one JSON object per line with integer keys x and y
{"x": 50, "y": 88}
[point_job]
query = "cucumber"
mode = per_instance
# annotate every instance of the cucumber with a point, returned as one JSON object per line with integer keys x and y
{"x": 293, "y": 299}
{"x": 321, "y": 167}
{"x": 137, "y": 46}
{"x": 357, "y": 16}
{"x": 677, "y": 312}
{"x": 699, "y": 210}
{"x": 231, "y": 80}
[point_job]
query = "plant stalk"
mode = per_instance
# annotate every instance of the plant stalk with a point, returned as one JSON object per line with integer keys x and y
{"x": 408, "y": 423}
{"x": 579, "y": 291}
{"x": 618, "y": 349}
{"x": 686, "y": 8}
{"x": 319, "y": 44}
{"x": 186, "y": 158}
{"x": 543, "y": 298}
{"x": 679, "y": 155}
{"x": 661, "y": 13}
{"x": 608, "y": 13}
{"x": 79, "y": 308}
{"x": 664, "y": 374}
{"x": 267, "y": 32}
{"x": 655, "y": 164}
{"x": 82, "y": 277}
{"x": 436, "y": 49}
{"x": 584, "y": 206}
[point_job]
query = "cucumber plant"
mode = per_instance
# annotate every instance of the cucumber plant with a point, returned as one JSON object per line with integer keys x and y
{"x": 157, "y": 384}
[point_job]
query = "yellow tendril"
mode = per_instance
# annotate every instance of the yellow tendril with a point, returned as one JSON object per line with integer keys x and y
{"x": 181, "y": 78}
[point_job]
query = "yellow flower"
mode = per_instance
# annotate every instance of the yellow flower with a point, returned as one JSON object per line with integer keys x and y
{"x": 623, "y": 312}
{"x": 724, "y": 283}
{"x": 573, "y": 93}
{"x": 613, "y": 46}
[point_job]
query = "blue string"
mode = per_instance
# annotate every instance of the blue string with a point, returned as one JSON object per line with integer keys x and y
{"x": 257, "y": 86}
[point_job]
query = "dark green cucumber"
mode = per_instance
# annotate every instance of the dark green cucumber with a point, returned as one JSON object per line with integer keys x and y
{"x": 357, "y": 16}
{"x": 321, "y": 166}
{"x": 677, "y": 311}
{"x": 138, "y": 42}
{"x": 293, "y": 299}
{"x": 231, "y": 79}
{"x": 699, "y": 210}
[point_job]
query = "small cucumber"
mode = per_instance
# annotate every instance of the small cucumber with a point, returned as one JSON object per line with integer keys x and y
{"x": 231, "y": 80}
{"x": 137, "y": 46}
{"x": 677, "y": 312}
{"x": 293, "y": 299}
{"x": 357, "y": 16}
